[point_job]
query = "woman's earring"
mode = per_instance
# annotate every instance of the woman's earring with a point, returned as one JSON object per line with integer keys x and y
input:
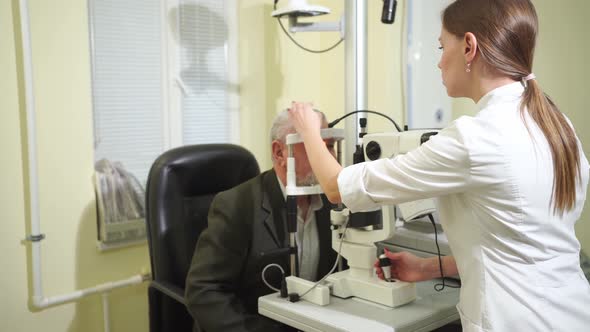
{"x": 468, "y": 67}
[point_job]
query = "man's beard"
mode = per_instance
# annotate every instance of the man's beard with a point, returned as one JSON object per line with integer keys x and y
{"x": 308, "y": 180}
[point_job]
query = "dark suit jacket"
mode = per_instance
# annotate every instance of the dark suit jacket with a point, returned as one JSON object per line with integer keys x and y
{"x": 224, "y": 280}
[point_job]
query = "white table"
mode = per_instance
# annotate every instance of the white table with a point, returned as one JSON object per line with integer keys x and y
{"x": 430, "y": 310}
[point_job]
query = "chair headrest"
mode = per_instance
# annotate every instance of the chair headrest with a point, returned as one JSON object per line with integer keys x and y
{"x": 180, "y": 187}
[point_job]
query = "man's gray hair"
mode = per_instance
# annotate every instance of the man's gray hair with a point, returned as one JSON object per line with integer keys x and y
{"x": 282, "y": 126}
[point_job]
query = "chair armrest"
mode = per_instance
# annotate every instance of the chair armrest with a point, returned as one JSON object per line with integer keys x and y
{"x": 169, "y": 289}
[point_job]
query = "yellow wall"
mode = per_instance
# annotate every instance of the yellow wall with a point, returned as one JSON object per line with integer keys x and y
{"x": 70, "y": 259}
{"x": 562, "y": 69}
{"x": 275, "y": 72}
{"x": 272, "y": 73}
{"x": 560, "y": 65}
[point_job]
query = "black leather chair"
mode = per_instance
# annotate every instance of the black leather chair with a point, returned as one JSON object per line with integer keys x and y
{"x": 180, "y": 187}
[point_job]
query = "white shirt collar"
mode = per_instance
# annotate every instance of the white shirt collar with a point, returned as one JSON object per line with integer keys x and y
{"x": 508, "y": 92}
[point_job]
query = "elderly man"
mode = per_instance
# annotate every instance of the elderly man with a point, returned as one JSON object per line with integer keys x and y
{"x": 246, "y": 224}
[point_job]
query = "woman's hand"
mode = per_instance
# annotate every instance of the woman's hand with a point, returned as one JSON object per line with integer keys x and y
{"x": 404, "y": 267}
{"x": 305, "y": 119}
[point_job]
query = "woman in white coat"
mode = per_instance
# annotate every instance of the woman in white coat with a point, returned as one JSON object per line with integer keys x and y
{"x": 511, "y": 181}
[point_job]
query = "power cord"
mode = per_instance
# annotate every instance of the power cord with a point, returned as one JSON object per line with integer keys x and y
{"x": 441, "y": 286}
{"x": 333, "y": 123}
{"x": 299, "y": 45}
{"x": 264, "y": 279}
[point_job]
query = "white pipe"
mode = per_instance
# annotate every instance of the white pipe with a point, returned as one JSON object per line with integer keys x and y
{"x": 38, "y": 300}
{"x": 105, "y": 312}
{"x": 355, "y": 71}
{"x": 31, "y": 149}
{"x": 78, "y": 294}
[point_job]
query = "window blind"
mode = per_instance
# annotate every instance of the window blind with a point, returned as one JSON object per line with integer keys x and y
{"x": 127, "y": 82}
{"x": 138, "y": 71}
{"x": 204, "y": 71}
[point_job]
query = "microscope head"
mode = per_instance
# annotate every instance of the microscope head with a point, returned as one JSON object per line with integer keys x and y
{"x": 392, "y": 144}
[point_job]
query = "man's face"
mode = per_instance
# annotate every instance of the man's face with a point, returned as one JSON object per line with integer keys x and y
{"x": 303, "y": 171}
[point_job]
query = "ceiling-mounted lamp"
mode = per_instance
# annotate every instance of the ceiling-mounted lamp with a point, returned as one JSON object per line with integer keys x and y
{"x": 300, "y": 8}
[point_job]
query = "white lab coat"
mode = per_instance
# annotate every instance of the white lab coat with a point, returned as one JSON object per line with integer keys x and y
{"x": 518, "y": 262}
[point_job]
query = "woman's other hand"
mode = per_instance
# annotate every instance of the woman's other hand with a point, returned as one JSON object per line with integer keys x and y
{"x": 404, "y": 266}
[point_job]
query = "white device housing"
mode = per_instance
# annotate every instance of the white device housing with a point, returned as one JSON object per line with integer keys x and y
{"x": 358, "y": 247}
{"x": 391, "y": 144}
{"x": 320, "y": 295}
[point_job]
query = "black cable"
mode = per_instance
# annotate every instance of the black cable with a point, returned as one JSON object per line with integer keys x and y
{"x": 305, "y": 48}
{"x": 439, "y": 287}
{"x": 301, "y": 46}
{"x": 333, "y": 123}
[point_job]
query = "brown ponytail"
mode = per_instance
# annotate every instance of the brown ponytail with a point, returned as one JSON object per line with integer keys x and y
{"x": 506, "y": 31}
{"x": 563, "y": 144}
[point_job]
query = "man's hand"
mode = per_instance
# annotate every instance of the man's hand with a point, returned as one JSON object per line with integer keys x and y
{"x": 404, "y": 266}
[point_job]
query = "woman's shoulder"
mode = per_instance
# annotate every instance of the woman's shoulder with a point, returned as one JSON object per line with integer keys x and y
{"x": 476, "y": 133}
{"x": 464, "y": 127}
